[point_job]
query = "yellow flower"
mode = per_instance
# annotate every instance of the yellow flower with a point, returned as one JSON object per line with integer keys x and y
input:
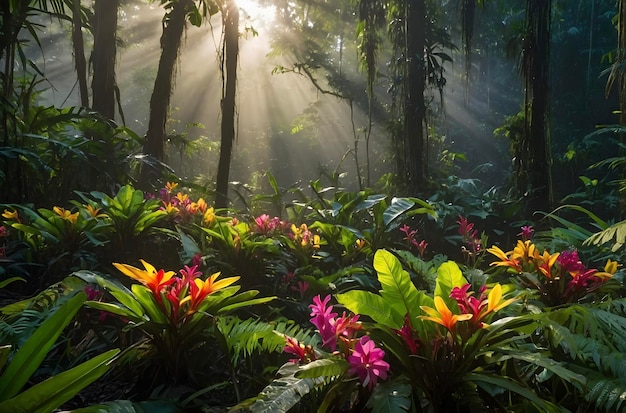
{"x": 66, "y": 214}
{"x": 504, "y": 257}
{"x": 545, "y": 262}
{"x": 441, "y": 314}
{"x": 94, "y": 212}
{"x": 13, "y": 215}
{"x": 360, "y": 243}
{"x": 494, "y": 300}
{"x": 171, "y": 209}
{"x": 610, "y": 268}
{"x": 524, "y": 250}
{"x": 170, "y": 186}
{"x": 151, "y": 278}
{"x": 209, "y": 216}
{"x": 182, "y": 197}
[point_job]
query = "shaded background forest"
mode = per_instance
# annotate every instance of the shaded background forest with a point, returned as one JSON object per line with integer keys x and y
{"x": 304, "y": 108}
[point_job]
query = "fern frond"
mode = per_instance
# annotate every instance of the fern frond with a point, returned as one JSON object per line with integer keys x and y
{"x": 246, "y": 337}
{"x": 608, "y": 394}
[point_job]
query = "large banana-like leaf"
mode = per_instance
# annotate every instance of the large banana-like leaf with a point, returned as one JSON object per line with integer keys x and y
{"x": 48, "y": 395}
{"x": 449, "y": 275}
{"x": 371, "y": 305}
{"x": 397, "y": 288}
{"x": 29, "y": 357}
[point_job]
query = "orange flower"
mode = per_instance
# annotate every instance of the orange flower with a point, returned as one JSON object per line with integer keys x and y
{"x": 66, "y": 214}
{"x": 545, "y": 262}
{"x": 441, "y": 314}
{"x": 506, "y": 261}
{"x": 150, "y": 277}
{"x": 199, "y": 289}
{"x": 170, "y": 186}
{"x": 94, "y": 212}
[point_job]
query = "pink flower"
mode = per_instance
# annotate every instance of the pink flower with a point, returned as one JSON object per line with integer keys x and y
{"x": 367, "y": 362}
{"x": 527, "y": 232}
{"x": 190, "y": 273}
{"x": 329, "y": 326}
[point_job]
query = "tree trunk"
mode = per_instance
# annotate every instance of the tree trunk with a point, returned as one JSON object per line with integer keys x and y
{"x": 103, "y": 82}
{"x": 171, "y": 38}
{"x": 537, "y": 138}
{"x": 79, "y": 53}
{"x": 415, "y": 109}
{"x": 230, "y": 19}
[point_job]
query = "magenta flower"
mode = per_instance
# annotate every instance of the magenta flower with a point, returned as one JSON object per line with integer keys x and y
{"x": 527, "y": 232}
{"x": 190, "y": 273}
{"x": 570, "y": 262}
{"x": 367, "y": 362}
{"x": 304, "y": 354}
{"x": 324, "y": 319}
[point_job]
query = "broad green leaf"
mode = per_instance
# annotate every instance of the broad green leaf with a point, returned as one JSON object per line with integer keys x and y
{"x": 149, "y": 304}
{"x": 449, "y": 275}
{"x": 371, "y": 305}
{"x": 115, "y": 309}
{"x": 398, "y": 207}
{"x": 123, "y": 295}
{"x": 29, "y": 357}
{"x": 329, "y": 367}
{"x": 393, "y": 396}
{"x": 50, "y": 394}
{"x": 398, "y": 290}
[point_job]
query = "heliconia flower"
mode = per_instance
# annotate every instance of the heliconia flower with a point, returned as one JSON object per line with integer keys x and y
{"x": 200, "y": 289}
{"x": 196, "y": 261}
{"x": 421, "y": 248}
{"x": 150, "y": 277}
{"x": 441, "y": 314}
{"x": 406, "y": 334}
{"x": 66, "y": 214}
{"x": 301, "y": 287}
{"x": 11, "y": 215}
{"x": 366, "y": 361}
{"x": 304, "y": 354}
{"x": 3, "y": 231}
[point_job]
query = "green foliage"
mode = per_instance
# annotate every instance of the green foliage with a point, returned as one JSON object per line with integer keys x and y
{"x": 52, "y": 393}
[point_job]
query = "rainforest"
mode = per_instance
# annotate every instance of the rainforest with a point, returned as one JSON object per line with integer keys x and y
{"x": 312, "y": 206}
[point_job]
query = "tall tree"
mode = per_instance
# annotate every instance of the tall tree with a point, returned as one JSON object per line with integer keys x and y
{"x": 173, "y": 27}
{"x": 230, "y": 54}
{"x": 80, "y": 63}
{"x": 536, "y": 174}
{"x": 103, "y": 82}
{"x": 414, "y": 106}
